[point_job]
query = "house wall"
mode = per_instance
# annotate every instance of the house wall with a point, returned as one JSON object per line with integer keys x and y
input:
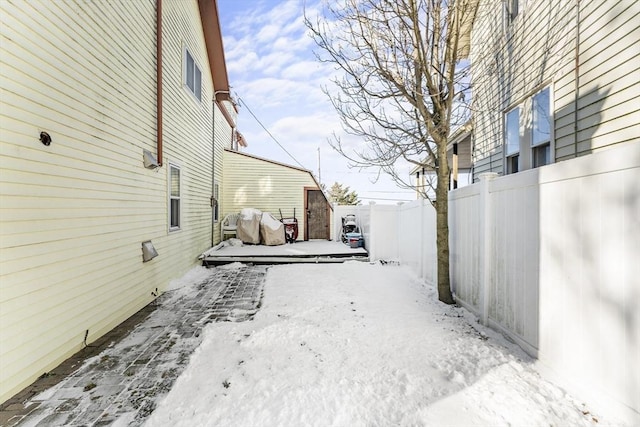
{"x": 250, "y": 182}
{"x": 511, "y": 62}
{"x": 73, "y": 214}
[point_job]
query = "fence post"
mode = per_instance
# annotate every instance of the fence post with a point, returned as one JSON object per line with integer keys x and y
{"x": 487, "y": 240}
{"x": 372, "y": 232}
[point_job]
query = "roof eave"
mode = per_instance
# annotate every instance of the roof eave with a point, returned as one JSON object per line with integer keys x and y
{"x": 215, "y": 49}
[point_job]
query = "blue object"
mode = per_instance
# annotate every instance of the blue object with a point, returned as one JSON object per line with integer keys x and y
{"x": 355, "y": 240}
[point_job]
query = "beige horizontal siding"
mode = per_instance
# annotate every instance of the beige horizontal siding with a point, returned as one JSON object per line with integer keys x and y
{"x": 255, "y": 183}
{"x": 73, "y": 215}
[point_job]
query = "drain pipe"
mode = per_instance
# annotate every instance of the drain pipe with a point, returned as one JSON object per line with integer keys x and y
{"x": 159, "y": 81}
{"x": 214, "y": 201}
{"x": 576, "y": 99}
{"x": 213, "y": 170}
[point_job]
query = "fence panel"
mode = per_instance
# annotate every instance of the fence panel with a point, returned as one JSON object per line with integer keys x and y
{"x": 465, "y": 245}
{"x": 558, "y": 268}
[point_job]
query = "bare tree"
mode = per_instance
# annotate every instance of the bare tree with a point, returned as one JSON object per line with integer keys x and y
{"x": 401, "y": 87}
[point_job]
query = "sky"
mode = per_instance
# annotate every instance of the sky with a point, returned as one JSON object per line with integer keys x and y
{"x": 356, "y": 344}
{"x": 274, "y": 75}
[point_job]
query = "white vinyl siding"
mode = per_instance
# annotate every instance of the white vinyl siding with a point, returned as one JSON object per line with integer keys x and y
{"x": 73, "y": 215}
{"x": 540, "y": 50}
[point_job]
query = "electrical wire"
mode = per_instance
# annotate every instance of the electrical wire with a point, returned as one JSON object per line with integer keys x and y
{"x": 269, "y": 133}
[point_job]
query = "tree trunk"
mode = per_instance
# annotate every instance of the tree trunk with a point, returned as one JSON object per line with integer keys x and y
{"x": 442, "y": 225}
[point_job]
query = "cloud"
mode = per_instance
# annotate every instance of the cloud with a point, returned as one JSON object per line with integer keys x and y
{"x": 268, "y": 93}
{"x": 302, "y": 70}
{"x": 273, "y": 70}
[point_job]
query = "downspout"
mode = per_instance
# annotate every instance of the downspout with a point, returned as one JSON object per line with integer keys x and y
{"x": 576, "y": 80}
{"x": 214, "y": 201}
{"x": 213, "y": 171}
{"x": 159, "y": 81}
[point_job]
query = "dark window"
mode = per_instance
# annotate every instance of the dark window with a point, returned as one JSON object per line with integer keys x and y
{"x": 513, "y": 164}
{"x": 192, "y": 75}
{"x": 511, "y": 10}
{"x": 174, "y": 197}
{"x": 216, "y": 196}
{"x": 541, "y": 155}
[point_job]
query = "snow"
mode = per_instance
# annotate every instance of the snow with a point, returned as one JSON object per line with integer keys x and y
{"x": 357, "y": 344}
{"x": 299, "y": 248}
{"x": 195, "y": 275}
{"x": 247, "y": 214}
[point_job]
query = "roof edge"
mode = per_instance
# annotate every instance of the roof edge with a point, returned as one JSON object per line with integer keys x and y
{"x": 215, "y": 48}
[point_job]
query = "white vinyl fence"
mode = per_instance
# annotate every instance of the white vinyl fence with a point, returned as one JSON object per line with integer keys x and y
{"x": 550, "y": 257}
{"x": 404, "y": 233}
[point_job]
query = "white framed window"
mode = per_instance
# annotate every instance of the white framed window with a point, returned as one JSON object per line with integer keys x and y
{"x": 541, "y": 128}
{"x": 512, "y": 140}
{"x": 216, "y": 204}
{"x": 528, "y": 143}
{"x": 192, "y": 75}
{"x": 174, "y": 198}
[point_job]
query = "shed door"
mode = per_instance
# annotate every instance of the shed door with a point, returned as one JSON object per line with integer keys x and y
{"x": 317, "y": 215}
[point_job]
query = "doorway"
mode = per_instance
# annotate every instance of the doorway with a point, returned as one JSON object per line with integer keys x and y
{"x": 317, "y": 215}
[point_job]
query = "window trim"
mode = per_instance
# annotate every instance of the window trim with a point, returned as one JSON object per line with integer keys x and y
{"x": 527, "y": 151}
{"x": 185, "y": 75}
{"x": 171, "y": 197}
{"x": 216, "y": 196}
{"x": 511, "y": 156}
{"x": 533, "y": 117}
{"x": 518, "y": 108}
{"x": 546, "y": 144}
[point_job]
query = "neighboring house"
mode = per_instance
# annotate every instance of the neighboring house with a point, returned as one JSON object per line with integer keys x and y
{"x": 547, "y": 253}
{"x": 106, "y": 142}
{"x": 553, "y": 80}
{"x": 460, "y": 166}
{"x": 254, "y": 182}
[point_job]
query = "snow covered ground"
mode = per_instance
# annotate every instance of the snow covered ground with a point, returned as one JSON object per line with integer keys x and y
{"x": 356, "y": 344}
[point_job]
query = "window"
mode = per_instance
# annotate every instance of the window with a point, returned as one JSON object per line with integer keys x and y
{"x": 216, "y": 202}
{"x": 512, "y": 139}
{"x": 541, "y": 128}
{"x": 192, "y": 75}
{"x": 511, "y": 10}
{"x": 528, "y": 133}
{"x": 174, "y": 197}
{"x": 541, "y": 155}
{"x": 512, "y": 131}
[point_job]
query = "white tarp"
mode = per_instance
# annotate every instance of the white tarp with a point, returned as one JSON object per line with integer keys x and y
{"x": 249, "y": 226}
{"x": 271, "y": 230}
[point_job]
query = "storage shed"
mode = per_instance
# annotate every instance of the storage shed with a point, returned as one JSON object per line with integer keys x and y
{"x": 270, "y": 186}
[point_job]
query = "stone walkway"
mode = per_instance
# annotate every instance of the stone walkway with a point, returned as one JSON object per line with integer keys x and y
{"x": 126, "y": 379}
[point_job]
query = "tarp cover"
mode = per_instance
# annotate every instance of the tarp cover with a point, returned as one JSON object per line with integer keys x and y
{"x": 249, "y": 226}
{"x": 271, "y": 230}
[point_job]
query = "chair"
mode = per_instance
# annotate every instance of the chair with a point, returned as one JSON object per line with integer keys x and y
{"x": 229, "y": 225}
